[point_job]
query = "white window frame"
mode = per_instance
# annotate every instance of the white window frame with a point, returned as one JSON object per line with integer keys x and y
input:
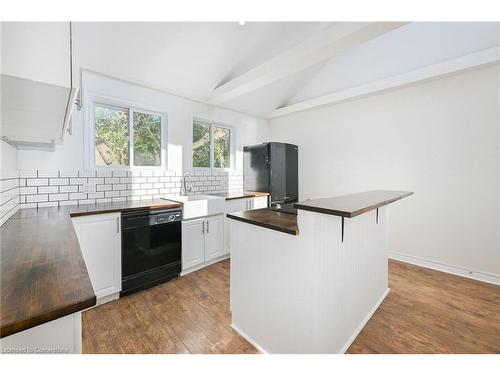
{"x": 232, "y": 138}
{"x": 94, "y": 99}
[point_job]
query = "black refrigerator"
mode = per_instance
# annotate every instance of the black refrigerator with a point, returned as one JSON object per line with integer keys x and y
{"x": 272, "y": 167}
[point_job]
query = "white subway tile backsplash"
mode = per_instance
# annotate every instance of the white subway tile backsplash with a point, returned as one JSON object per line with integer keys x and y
{"x": 104, "y": 173}
{"x": 147, "y": 173}
{"x": 112, "y": 180}
{"x": 120, "y": 173}
{"x": 37, "y": 198}
{"x": 28, "y": 190}
{"x": 77, "y": 196}
{"x": 103, "y": 187}
{"x": 99, "y": 194}
{"x": 77, "y": 181}
{"x": 37, "y": 182}
{"x": 58, "y": 197}
{"x": 68, "y": 189}
{"x": 96, "y": 180}
{"x": 119, "y": 186}
{"x": 49, "y": 188}
{"x": 159, "y": 173}
{"x": 59, "y": 181}
{"x": 28, "y": 205}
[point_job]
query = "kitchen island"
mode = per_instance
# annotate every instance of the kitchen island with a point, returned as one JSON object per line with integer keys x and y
{"x": 309, "y": 283}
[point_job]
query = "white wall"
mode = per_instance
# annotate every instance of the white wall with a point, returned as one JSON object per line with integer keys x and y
{"x": 179, "y": 111}
{"x": 440, "y": 139}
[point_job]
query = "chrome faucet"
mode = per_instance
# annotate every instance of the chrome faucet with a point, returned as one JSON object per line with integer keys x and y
{"x": 185, "y": 187}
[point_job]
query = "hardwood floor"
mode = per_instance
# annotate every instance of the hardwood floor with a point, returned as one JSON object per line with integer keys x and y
{"x": 425, "y": 312}
{"x": 432, "y": 312}
{"x": 186, "y": 315}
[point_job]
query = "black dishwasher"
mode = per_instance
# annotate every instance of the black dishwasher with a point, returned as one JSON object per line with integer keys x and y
{"x": 151, "y": 248}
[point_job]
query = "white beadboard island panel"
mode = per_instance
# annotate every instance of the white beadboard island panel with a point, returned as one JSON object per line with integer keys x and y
{"x": 310, "y": 293}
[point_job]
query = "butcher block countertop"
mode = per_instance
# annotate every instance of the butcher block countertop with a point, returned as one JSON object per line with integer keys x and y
{"x": 267, "y": 218}
{"x": 43, "y": 273}
{"x": 241, "y": 195}
{"x": 346, "y": 206}
{"x": 353, "y": 204}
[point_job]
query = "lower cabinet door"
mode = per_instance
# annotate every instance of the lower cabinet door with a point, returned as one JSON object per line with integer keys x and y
{"x": 234, "y": 205}
{"x": 214, "y": 237}
{"x": 193, "y": 243}
{"x": 100, "y": 241}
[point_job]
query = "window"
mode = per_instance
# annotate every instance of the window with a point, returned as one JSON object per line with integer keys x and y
{"x": 126, "y": 137}
{"x": 211, "y": 145}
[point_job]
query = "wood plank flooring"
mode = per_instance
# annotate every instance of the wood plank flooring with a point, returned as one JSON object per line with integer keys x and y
{"x": 425, "y": 312}
{"x": 186, "y": 315}
{"x": 432, "y": 312}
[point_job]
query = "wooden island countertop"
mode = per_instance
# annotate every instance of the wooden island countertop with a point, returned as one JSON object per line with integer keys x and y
{"x": 267, "y": 218}
{"x": 347, "y": 206}
{"x": 241, "y": 195}
{"x": 352, "y": 205}
{"x": 43, "y": 272}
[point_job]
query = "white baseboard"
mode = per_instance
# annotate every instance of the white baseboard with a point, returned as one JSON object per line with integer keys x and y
{"x": 447, "y": 268}
{"x": 106, "y": 299}
{"x": 203, "y": 265}
{"x": 246, "y": 337}
{"x": 364, "y": 321}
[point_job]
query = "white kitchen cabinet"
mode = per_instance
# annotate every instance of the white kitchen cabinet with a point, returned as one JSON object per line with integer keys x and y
{"x": 193, "y": 243}
{"x": 237, "y": 205}
{"x": 202, "y": 241}
{"x": 214, "y": 237}
{"x": 100, "y": 241}
{"x": 60, "y": 336}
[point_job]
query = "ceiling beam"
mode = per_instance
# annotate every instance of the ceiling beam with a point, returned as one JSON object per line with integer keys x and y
{"x": 318, "y": 48}
{"x": 471, "y": 61}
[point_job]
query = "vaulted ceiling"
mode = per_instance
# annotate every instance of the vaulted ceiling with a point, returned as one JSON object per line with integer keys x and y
{"x": 258, "y": 67}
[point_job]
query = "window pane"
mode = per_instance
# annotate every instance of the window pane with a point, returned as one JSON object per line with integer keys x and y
{"x": 222, "y": 146}
{"x": 111, "y": 136}
{"x": 147, "y": 139}
{"x": 201, "y": 145}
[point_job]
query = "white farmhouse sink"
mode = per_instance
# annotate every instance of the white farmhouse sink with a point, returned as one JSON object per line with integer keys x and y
{"x": 198, "y": 205}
